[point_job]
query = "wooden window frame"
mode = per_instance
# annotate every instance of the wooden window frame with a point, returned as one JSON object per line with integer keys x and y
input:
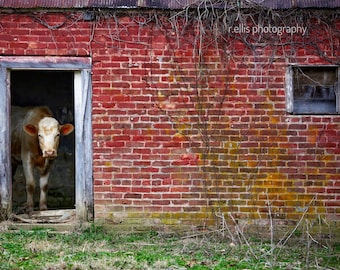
{"x": 81, "y": 66}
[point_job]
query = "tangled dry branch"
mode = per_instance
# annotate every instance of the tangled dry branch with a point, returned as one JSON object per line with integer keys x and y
{"x": 222, "y": 25}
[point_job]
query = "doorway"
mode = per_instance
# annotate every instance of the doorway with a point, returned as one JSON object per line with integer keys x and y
{"x": 54, "y": 89}
{"x": 63, "y": 84}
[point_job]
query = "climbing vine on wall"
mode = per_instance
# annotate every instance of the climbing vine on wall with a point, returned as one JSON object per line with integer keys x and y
{"x": 242, "y": 35}
{"x": 207, "y": 47}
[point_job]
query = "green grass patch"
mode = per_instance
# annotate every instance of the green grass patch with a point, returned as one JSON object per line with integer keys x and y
{"x": 95, "y": 248}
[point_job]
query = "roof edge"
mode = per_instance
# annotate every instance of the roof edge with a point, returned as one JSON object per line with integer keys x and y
{"x": 166, "y": 4}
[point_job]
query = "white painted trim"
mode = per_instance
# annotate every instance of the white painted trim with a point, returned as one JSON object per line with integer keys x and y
{"x": 289, "y": 90}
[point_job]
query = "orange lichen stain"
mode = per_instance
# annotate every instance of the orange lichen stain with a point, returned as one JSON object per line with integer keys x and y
{"x": 168, "y": 131}
{"x": 178, "y": 136}
{"x": 276, "y": 151}
{"x": 160, "y": 95}
{"x": 231, "y": 149}
{"x": 171, "y": 76}
{"x": 247, "y": 170}
{"x": 287, "y": 197}
{"x": 312, "y": 138}
{"x": 108, "y": 163}
{"x": 237, "y": 164}
{"x": 326, "y": 157}
{"x": 182, "y": 127}
{"x": 274, "y": 119}
{"x": 277, "y": 176}
{"x": 181, "y": 218}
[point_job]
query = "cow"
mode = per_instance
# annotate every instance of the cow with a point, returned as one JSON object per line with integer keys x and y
{"x": 34, "y": 144}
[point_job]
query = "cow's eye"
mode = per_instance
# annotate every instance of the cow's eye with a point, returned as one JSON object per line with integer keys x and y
{"x": 57, "y": 135}
{"x": 40, "y": 136}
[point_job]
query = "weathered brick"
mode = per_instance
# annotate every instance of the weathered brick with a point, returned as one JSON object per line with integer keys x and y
{"x": 166, "y": 131}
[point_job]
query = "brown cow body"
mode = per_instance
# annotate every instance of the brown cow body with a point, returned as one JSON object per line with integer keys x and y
{"x": 34, "y": 143}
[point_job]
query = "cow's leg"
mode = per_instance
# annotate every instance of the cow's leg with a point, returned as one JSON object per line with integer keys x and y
{"x": 30, "y": 184}
{"x": 43, "y": 191}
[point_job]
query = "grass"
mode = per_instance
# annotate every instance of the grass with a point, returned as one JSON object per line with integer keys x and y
{"x": 94, "y": 248}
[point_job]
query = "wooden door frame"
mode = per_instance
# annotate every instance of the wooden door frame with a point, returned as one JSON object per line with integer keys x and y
{"x": 83, "y": 127}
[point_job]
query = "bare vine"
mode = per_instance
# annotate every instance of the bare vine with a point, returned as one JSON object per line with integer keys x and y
{"x": 221, "y": 25}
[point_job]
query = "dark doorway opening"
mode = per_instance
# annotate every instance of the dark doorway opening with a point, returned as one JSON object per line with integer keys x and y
{"x": 54, "y": 89}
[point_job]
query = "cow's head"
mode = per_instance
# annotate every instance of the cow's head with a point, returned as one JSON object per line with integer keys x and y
{"x": 48, "y": 132}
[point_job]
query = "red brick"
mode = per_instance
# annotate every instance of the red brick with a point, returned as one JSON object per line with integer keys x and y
{"x": 234, "y": 125}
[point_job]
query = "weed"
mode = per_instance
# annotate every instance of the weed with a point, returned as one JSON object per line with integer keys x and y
{"x": 95, "y": 248}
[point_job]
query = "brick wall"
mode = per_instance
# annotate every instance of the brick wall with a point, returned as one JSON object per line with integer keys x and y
{"x": 180, "y": 137}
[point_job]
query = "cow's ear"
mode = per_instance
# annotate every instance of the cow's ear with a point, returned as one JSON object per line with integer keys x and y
{"x": 30, "y": 129}
{"x": 66, "y": 129}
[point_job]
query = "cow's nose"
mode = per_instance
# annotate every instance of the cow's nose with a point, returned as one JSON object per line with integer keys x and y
{"x": 49, "y": 153}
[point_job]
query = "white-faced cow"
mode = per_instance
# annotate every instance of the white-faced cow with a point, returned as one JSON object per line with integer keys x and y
{"x": 34, "y": 143}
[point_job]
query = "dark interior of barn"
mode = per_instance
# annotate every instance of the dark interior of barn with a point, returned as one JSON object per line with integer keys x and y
{"x": 54, "y": 89}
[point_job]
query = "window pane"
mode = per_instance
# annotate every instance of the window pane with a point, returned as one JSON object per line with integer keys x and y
{"x": 314, "y": 90}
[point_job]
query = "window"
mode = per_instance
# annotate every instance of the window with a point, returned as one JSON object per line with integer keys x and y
{"x": 313, "y": 89}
